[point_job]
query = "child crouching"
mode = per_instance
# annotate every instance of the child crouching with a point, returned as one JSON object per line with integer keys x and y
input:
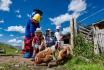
{"x": 38, "y": 42}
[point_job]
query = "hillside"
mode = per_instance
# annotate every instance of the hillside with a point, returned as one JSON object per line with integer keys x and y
{"x": 10, "y": 50}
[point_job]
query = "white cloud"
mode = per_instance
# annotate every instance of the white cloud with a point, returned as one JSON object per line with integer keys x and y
{"x": 17, "y": 11}
{"x": 2, "y": 21}
{"x": 15, "y": 42}
{"x": 11, "y": 35}
{"x": 75, "y": 14}
{"x": 28, "y": 15}
{"x": 12, "y": 40}
{"x": 5, "y": 5}
{"x": 63, "y": 18}
{"x": 77, "y": 5}
{"x": 20, "y": 29}
{"x": 66, "y": 30}
{"x": 17, "y": 37}
{"x": 19, "y": 41}
{"x": 19, "y": 16}
{"x": 60, "y": 19}
{"x": 1, "y": 35}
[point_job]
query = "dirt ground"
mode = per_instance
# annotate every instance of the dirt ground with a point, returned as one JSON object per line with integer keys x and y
{"x": 18, "y": 61}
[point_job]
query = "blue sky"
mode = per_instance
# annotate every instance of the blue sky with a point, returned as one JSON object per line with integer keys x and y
{"x": 14, "y": 15}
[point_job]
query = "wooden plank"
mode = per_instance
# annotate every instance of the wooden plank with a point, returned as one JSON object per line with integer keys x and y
{"x": 84, "y": 32}
{"x": 81, "y": 27}
{"x": 99, "y": 34}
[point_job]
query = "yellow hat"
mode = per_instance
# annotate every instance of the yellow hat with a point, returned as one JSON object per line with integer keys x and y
{"x": 36, "y": 17}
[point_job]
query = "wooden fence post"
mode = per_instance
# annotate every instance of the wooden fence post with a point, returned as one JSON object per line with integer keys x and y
{"x": 72, "y": 25}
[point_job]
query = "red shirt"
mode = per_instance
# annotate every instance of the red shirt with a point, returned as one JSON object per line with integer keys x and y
{"x": 36, "y": 40}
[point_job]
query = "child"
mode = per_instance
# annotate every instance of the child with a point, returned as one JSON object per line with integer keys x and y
{"x": 58, "y": 37}
{"x": 50, "y": 40}
{"x": 38, "y": 42}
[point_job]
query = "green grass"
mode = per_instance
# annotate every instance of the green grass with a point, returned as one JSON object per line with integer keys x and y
{"x": 76, "y": 64}
{"x": 86, "y": 67}
{"x": 84, "y": 58}
{"x": 9, "y": 50}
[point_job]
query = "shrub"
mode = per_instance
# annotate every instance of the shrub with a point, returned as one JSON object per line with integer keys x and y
{"x": 82, "y": 47}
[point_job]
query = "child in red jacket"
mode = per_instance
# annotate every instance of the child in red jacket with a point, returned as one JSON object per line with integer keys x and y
{"x": 38, "y": 42}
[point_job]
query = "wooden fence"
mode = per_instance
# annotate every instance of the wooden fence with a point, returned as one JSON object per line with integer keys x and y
{"x": 99, "y": 40}
{"x": 87, "y": 32}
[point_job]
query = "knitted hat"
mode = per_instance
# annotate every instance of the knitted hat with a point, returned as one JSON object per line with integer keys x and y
{"x": 38, "y": 30}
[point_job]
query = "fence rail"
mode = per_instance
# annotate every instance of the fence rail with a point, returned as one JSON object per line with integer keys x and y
{"x": 87, "y": 32}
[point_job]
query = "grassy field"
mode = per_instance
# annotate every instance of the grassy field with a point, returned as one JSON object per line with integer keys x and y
{"x": 82, "y": 64}
{"x": 9, "y": 49}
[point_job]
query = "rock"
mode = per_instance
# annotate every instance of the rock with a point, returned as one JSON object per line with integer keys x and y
{"x": 84, "y": 59}
{"x": 17, "y": 65}
{"x": 50, "y": 69}
{"x": 1, "y": 67}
